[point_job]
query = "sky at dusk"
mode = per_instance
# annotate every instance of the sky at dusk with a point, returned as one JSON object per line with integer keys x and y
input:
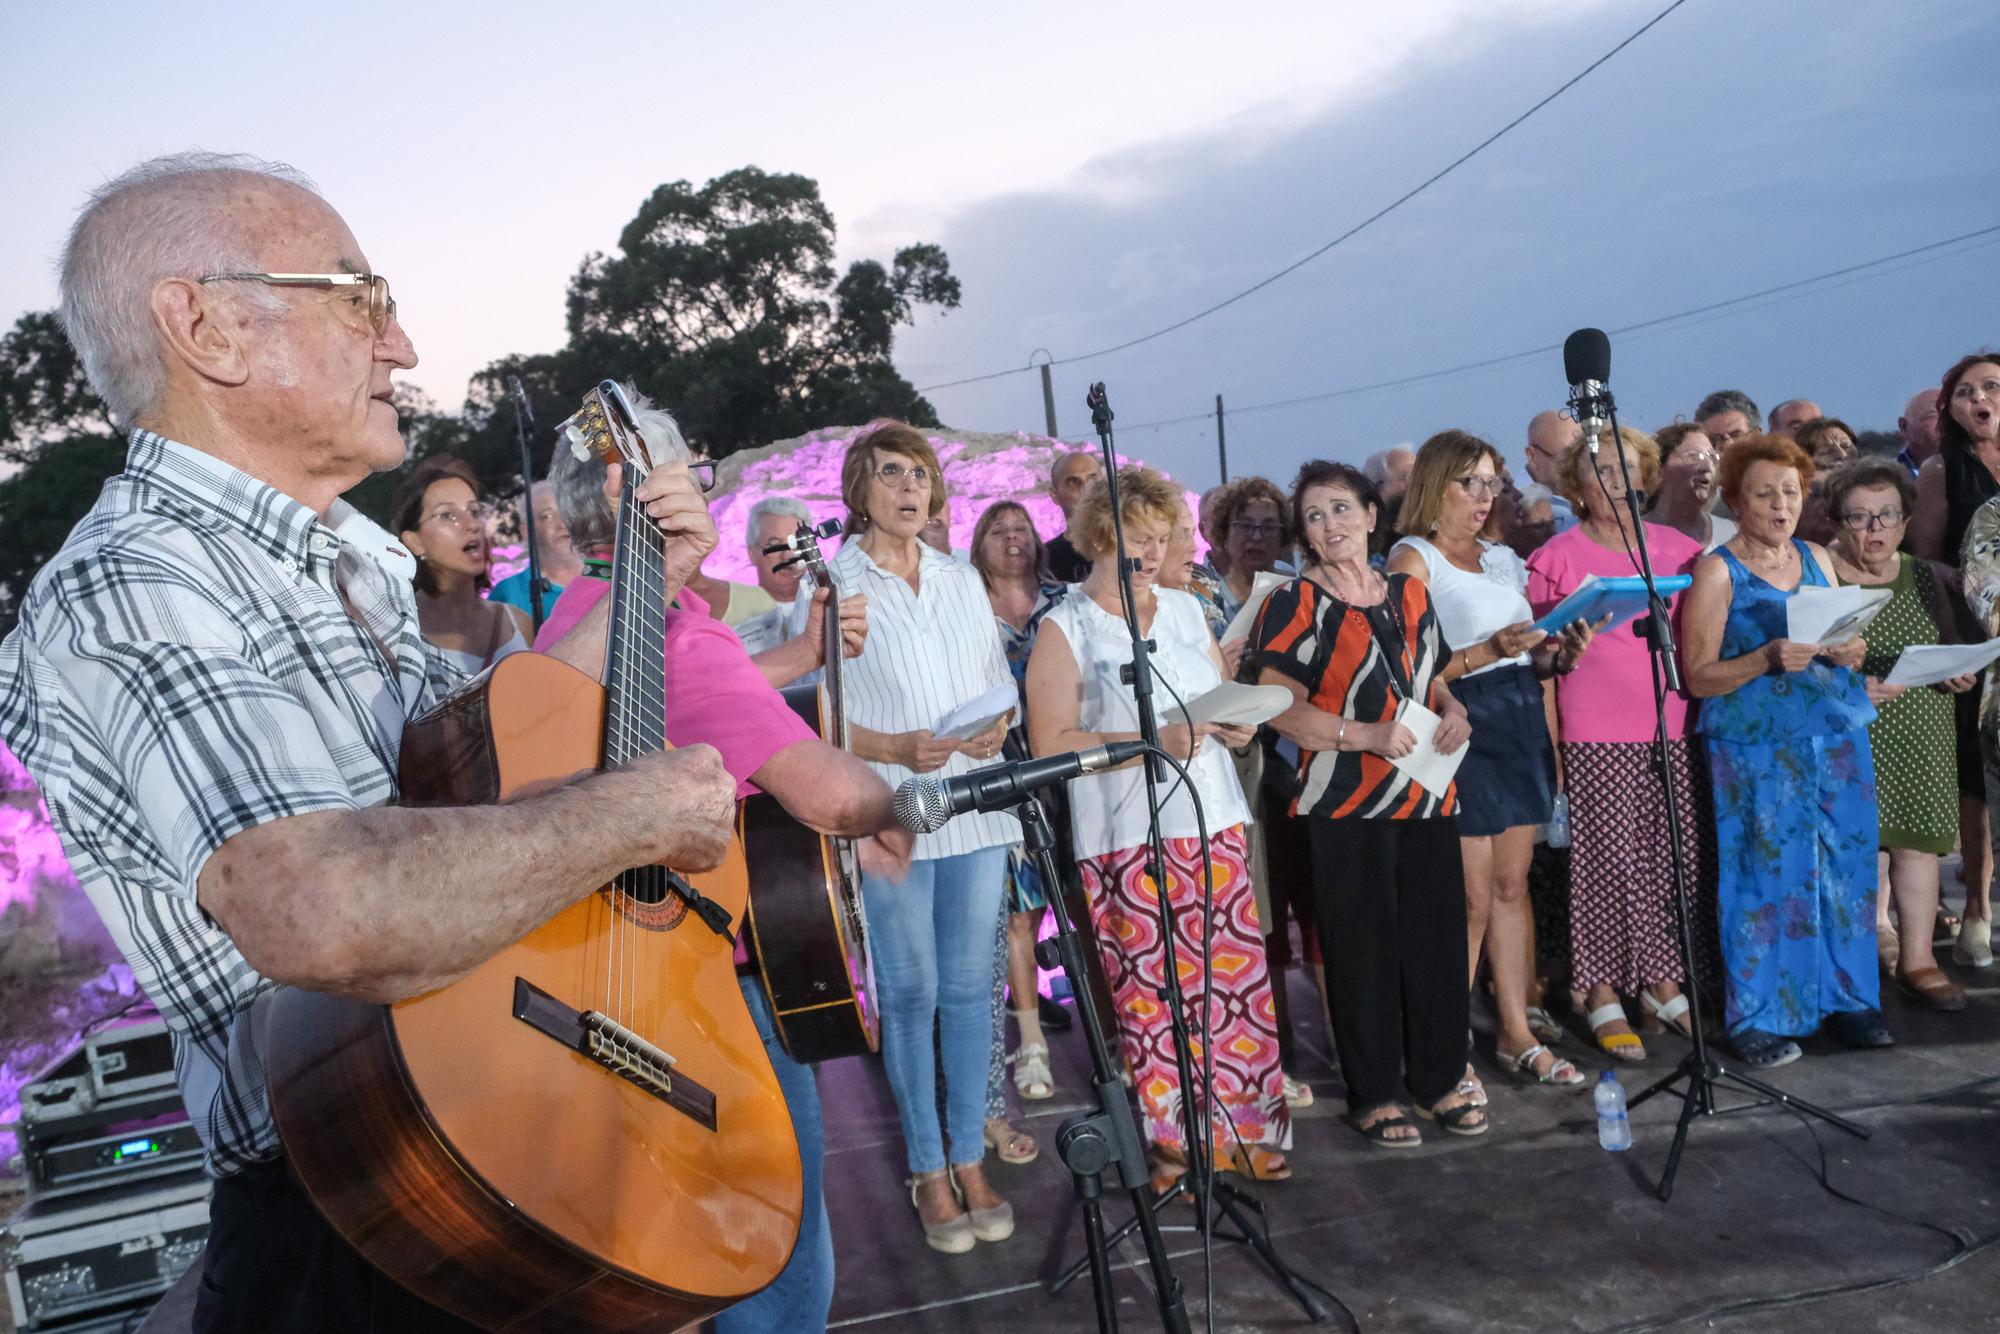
{"x": 1097, "y": 172}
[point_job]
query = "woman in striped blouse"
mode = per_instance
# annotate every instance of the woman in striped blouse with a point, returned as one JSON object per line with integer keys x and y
{"x": 931, "y": 647}
{"x": 1354, "y": 647}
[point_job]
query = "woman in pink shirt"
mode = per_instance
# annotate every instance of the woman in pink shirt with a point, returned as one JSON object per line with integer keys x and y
{"x": 1622, "y": 937}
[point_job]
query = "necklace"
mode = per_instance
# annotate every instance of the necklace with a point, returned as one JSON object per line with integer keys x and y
{"x": 1775, "y": 560}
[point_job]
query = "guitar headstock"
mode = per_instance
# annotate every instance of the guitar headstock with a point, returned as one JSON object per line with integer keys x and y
{"x": 606, "y": 426}
{"x": 804, "y": 546}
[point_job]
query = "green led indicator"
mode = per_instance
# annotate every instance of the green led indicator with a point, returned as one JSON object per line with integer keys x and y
{"x": 134, "y": 1148}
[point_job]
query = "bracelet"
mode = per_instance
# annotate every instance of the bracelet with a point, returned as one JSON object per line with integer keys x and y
{"x": 1342, "y": 736}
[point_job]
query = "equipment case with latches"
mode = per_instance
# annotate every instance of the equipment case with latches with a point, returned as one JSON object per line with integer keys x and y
{"x": 123, "y": 1059}
{"x": 73, "y": 1257}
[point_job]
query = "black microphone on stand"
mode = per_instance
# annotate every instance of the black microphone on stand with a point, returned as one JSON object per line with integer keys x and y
{"x": 1587, "y": 367}
{"x": 927, "y": 801}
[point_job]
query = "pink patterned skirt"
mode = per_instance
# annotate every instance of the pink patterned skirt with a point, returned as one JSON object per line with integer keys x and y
{"x": 1124, "y": 906}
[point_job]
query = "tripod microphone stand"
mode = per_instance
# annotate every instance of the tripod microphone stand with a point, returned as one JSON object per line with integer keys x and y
{"x": 1209, "y": 1194}
{"x": 1701, "y": 1070}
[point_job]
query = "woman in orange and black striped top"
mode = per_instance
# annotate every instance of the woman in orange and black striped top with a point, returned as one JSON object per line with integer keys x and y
{"x": 1352, "y": 647}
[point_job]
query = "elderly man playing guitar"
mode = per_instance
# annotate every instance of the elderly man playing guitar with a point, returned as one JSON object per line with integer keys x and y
{"x": 210, "y": 682}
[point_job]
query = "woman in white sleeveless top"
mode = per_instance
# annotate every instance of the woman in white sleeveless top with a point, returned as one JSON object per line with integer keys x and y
{"x": 441, "y": 517}
{"x": 1506, "y": 786}
{"x": 1076, "y": 700}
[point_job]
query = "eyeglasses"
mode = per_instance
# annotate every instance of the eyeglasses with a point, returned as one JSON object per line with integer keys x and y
{"x": 381, "y": 306}
{"x": 1697, "y": 457}
{"x": 893, "y": 475}
{"x": 474, "y": 515}
{"x": 1245, "y": 528}
{"x": 1855, "y": 521}
{"x": 703, "y": 473}
{"x": 1476, "y": 487}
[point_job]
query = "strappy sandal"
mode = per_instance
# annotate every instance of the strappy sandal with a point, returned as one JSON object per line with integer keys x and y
{"x": 1010, "y": 1143}
{"x": 1662, "y": 1015}
{"x": 1560, "y": 1074}
{"x": 994, "y": 1223}
{"x": 1298, "y": 1093}
{"x": 1376, "y": 1132}
{"x": 1464, "y": 1119}
{"x": 1544, "y": 1026}
{"x": 1764, "y": 1051}
{"x": 954, "y": 1236}
{"x": 1255, "y": 1161}
{"x": 1471, "y": 1089}
{"x": 1032, "y": 1079}
{"x": 1930, "y": 987}
{"x": 1624, "y": 1046}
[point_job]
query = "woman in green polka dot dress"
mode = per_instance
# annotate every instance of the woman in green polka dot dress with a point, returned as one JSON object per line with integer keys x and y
{"x": 1870, "y": 501}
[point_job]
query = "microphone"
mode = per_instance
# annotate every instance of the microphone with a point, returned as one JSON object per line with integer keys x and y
{"x": 520, "y": 397}
{"x": 1587, "y": 366}
{"x": 927, "y": 801}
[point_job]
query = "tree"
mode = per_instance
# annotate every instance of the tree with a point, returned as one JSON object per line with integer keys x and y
{"x": 723, "y": 304}
{"x": 43, "y": 394}
{"x": 42, "y": 502}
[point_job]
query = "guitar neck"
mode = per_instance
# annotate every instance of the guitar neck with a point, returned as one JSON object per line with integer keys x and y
{"x": 635, "y": 661}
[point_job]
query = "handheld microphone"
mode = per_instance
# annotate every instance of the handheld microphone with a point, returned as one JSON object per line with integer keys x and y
{"x": 1587, "y": 366}
{"x": 927, "y": 801}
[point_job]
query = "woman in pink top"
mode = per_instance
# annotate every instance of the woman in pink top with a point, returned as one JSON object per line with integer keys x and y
{"x": 1622, "y": 937}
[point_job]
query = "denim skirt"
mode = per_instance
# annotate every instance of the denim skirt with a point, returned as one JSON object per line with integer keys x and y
{"x": 1509, "y": 774}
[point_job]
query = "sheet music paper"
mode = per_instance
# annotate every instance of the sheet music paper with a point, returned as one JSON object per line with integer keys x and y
{"x": 1928, "y": 664}
{"x": 1260, "y": 588}
{"x": 1429, "y": 768}
{"x": 1831, "y": 616}
{"x": 974, "y": 716}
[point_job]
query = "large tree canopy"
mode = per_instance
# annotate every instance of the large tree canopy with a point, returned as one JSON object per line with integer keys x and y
{"x": 721, "y": 303}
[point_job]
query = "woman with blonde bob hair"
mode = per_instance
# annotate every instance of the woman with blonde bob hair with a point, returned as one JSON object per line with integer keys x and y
{"x": 1786, "y": 727}
{"x": 1077, "y": 700}
{"x": 1622, "y": 938}
{"x": 931, "y": 647}
{"x": 1497, "y": 660}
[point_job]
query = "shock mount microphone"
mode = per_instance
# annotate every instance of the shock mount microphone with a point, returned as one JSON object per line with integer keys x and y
{"x": 927, "y": 801}
{"x": 1587, "y": 367}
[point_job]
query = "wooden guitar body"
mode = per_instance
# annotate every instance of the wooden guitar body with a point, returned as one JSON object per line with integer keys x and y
{"x": 806, "y": 923}
{"x": 582, "y": 1134}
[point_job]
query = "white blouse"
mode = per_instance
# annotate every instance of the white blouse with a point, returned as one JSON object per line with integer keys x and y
{"x": 929, "y": 650}
{"x": 1470, "y": 607}
{"x": 1108, "y": 810}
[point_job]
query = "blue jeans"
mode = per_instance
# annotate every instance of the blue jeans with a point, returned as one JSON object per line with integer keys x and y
{"x": 799, "y": 1298}
{"x": 931, "y": 937}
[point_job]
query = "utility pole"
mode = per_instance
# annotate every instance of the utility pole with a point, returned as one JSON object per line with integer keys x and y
{"x": 1048, "y": 389}
{"x": 1221, "y": 443}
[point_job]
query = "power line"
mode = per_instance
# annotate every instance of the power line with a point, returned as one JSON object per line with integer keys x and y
{"x": 1488, "y": 363}
{"x": 1351, "y": 232}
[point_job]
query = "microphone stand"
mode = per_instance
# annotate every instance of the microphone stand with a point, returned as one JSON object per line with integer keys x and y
{"x": 524, "y": 423}
{"x": 1209, "y": 1193}
{"x": 1701, "y": 1070}
{"x": 1091, "y": 1141}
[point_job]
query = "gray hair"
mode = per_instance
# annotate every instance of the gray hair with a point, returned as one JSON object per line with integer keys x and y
{"x": 787, "y": 507}
{"x": 1376, "y": 467}
{"x": 1533, "y": 494}
{"x": 1730, "y": 400}
{"x": 579, "y": 482}
{"x": 165, "y": 218}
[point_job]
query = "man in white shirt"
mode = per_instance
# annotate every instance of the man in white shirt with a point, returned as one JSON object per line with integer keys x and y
{"x": 771, "y": 521}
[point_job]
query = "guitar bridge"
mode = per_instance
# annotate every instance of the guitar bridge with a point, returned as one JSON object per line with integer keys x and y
{"x": 615, "y": 1047}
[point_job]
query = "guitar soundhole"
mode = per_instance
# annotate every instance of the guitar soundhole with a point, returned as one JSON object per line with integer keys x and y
{"x": 644, "y": 898}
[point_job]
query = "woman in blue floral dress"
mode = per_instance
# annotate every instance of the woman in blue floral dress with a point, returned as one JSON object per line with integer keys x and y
{"x": 1786, "y": 728}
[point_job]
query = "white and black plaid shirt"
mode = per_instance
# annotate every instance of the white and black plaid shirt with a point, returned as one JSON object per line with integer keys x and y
{"x": 185, "y": 669}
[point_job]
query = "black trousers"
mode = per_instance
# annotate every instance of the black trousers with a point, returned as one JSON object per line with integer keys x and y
{"x": 275, "y": 1266}
{"x": 1390, "y": 896}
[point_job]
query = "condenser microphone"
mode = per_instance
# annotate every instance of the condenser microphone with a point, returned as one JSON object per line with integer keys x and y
{"x": 927, "y": 801}
{"x": 1587, "y": 367}
{"x": 520, "y": 397}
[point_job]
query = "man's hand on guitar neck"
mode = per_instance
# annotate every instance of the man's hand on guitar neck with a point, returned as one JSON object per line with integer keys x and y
{"x": 805, "y": 651}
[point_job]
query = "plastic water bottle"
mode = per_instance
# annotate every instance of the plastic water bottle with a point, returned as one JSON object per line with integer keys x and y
{"x": 1614, "y": 1132}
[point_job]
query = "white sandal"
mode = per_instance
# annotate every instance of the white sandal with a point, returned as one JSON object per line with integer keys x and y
{"x": 1667, "y": 1014}
{"x": 1298, "y": 1093}
{"x": 1560, "y": 1074}
{"x": 1974, "y": 947}
{"x": 1032, "y": 1077}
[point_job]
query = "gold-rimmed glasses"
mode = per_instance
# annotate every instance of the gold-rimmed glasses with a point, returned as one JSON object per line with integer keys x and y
{"x": 381, "y": 306}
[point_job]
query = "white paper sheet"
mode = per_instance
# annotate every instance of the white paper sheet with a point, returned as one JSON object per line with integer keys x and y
{"x": 1431, "y": 770}
{"x": 1830, "y": 616}
{"x": 1928, "y": 664}
{"x": 976, "y": 715}
{"x": 1260, "y": 588}
{"x": 1236, "y": 705}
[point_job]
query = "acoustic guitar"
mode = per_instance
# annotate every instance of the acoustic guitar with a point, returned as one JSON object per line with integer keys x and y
{"x": 584, "y": 1133}
{"x": 806, "y": 922}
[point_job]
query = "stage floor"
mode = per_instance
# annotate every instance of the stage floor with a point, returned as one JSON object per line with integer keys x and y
{"x": 1531, "y": 1227}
